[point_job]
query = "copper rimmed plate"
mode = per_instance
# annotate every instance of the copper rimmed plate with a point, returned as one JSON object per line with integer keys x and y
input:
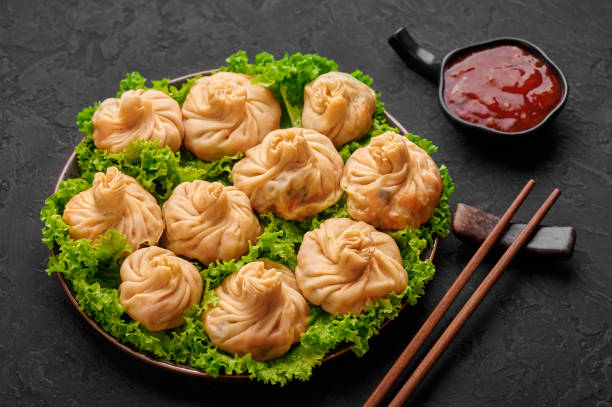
{"x": 71, "y": 170}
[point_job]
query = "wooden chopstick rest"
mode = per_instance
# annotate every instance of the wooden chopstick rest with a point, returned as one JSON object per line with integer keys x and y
{"x": 554, "y": 243}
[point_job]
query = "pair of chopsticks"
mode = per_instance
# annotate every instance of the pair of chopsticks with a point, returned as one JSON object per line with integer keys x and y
{"x": 438, "y": 348}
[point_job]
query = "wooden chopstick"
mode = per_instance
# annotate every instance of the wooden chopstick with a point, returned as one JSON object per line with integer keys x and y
{"x": 464, "y": 314}
{"x": 428, "y": 326}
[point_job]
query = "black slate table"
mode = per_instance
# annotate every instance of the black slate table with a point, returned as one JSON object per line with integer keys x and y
{"x": 543, "y": 337}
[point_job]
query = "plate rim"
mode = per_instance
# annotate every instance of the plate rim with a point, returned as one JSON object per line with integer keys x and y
{"x": 180, "y": 368}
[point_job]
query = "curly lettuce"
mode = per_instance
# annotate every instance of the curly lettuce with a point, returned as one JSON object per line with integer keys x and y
{"x": 285, "y": 77}
{"x": 92, "y": 271}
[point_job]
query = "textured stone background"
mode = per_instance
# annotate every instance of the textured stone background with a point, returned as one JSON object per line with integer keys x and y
{"x": 542, "y": 337}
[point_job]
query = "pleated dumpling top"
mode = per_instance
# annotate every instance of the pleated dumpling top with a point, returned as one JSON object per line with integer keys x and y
{"x": 259, "y": 311}
{"x": 226, "y": 113}
{"x": 157, "y": 287}
{"x": 115, "y": 201}
{"x": 345, "y": 265}
{"x": 293, "y": 173}
{"x": 338, "y": 106}
{"x": 391, "y": 183}
{"x": 208, "y": 221}
{"x": 143, "y": 114}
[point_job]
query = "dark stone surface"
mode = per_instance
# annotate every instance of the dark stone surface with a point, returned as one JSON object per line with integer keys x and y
{"x": 542, "y": 337}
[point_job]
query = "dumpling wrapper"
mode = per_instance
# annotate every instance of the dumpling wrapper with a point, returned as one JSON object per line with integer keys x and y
{"x": 209, "y": 221}
{"x": 259, "y": 311}
{"x": 293, "y": 173}
{"x": 345, "y": 265}
{"x": 225, "y": 114}
{"x": 143, "y": 114}
{"x": 391, "y": 183}
{"x": 157, "y": 287}
{"x": 115, "y": 201}
{"x": 338, "y": 106}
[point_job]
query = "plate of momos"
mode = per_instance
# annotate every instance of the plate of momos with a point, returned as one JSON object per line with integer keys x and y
{"x": 262, "y": 309}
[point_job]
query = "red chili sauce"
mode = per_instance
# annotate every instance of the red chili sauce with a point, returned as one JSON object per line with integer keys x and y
{"x": 505, "y": 88}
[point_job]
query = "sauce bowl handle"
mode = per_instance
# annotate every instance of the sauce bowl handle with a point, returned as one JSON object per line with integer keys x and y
{"x": 414, "y": 56}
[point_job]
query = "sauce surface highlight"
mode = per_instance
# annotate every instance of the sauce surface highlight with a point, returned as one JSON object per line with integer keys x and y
{"x": 504, "y": 87}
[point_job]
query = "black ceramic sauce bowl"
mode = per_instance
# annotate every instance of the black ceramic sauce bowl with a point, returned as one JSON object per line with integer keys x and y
{"x": 427, "y": 65}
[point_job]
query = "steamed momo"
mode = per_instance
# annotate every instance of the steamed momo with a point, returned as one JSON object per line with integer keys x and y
{"x": 293, "y": 173}
{"x": 339, "y": 106}
{"x": 344, "y": 265}
{"x": 391, "y": 183}
{"x": 138, "y": 115}
{"x": 225, "y": 114}
{"x": 208, "y": 221}
{"x": 115, "y": 201}
{"x": 157, "y": 287}
{"x": 259, "y": 311}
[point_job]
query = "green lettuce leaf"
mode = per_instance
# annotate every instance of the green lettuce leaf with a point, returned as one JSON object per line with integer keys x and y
{"x": 135, "y": 80}
{"x": 285, "y": 77}
{"x": 55, "y": 230}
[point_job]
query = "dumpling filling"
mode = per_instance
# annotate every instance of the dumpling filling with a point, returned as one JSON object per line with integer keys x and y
{"x": 293, "y": 173}
{"x": 391, "y": 183}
